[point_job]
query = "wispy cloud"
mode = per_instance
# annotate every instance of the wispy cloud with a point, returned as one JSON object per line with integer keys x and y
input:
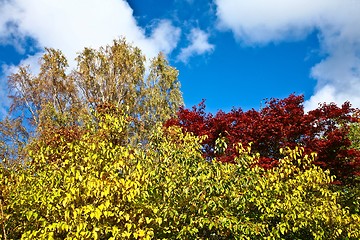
{"x": 165, "y": 37}
{"x": 337, "y": 22}
{"x": 199, "y": 44}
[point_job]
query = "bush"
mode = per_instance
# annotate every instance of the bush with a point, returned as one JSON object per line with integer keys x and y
{"x": 99, "y": 189}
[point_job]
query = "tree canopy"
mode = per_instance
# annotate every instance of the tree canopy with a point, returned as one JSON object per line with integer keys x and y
{"x": 148, "y": 91}
{"x": 280, "y": 123}
{"x": 103, "y": 151}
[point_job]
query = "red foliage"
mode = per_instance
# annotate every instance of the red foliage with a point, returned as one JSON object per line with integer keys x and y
{"x": 279, "y": 124}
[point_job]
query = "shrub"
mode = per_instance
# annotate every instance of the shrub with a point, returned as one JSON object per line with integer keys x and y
{"x": 166, "y": 190}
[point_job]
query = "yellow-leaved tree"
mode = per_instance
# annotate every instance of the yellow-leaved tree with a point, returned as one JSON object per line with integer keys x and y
{"x": 117, "y": 75}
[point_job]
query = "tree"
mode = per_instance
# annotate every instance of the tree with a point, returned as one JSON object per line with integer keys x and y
{"x": 115, "y": 74}
{"x": 281, "y": 123}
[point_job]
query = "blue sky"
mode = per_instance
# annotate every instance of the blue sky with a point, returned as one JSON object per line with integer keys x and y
{"x": 233, "y": 53}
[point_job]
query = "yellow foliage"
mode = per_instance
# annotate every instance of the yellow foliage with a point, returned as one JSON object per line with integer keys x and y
{"x": 167, "y": 190}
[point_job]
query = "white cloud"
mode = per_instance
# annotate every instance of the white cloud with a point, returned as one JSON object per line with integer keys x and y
{"x": 71, "y": 25}
{"x": 337, "y": 21}
{"x": 262, "y": 21}
{"x": 199, "y": 44}
{"x": 338, "y": 79}
{"x": 165, "y": 36}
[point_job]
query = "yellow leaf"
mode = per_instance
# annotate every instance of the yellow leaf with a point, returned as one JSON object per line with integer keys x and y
{"x": 148, "y": 220}
{"x": 97, "y": 213}
{"x": 159, "y": 220}
{"x": 126, "y": 234}
{"x": 141, "y": 233}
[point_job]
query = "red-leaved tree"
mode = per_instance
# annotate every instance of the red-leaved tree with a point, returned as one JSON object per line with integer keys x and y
{"x": 281, "y": 123}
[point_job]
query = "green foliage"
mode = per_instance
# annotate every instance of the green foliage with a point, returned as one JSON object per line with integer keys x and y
{"x": 350, "y": 193}
{"x": 95, "y": 188}
{"x": 354, "y": 135}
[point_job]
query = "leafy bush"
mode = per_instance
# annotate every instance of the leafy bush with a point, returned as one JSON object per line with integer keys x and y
{"x": 94, "y": 188}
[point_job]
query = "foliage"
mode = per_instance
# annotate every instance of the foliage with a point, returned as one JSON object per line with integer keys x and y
{"x": 13, "y": 138}
{"x": 281, "y": 123}
{"x": 354, "y": 135}
{"x": 95, "y": 187}
{"x": 98, "y": 163}
{"x": 115, "y": 74}
{"x": 350, "y": 194}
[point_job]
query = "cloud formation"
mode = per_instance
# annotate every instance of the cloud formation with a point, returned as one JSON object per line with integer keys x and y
{"x": 72, "y": 25}
{"x": 199, "y": 44}
{"x": 337, "y": 24}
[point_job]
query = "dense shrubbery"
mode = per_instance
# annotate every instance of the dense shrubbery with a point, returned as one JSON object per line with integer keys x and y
{"x": 96, "y": 162}
{"x": 101, "y": 190}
